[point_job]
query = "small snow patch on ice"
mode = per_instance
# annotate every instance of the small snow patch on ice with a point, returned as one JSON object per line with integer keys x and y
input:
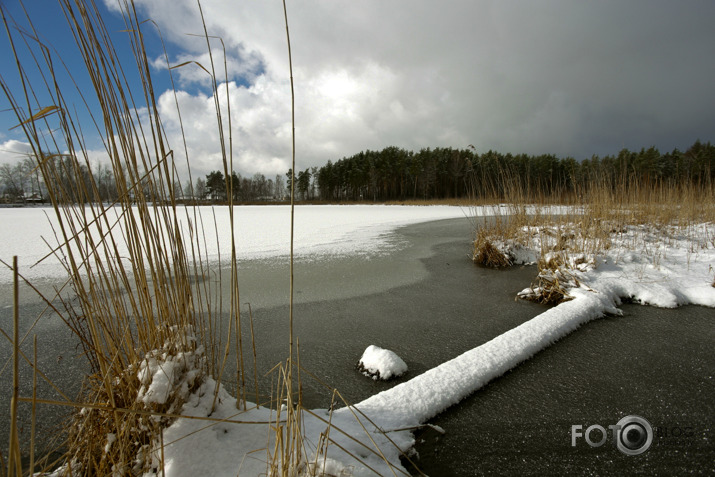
{"x": 379, "y": 363}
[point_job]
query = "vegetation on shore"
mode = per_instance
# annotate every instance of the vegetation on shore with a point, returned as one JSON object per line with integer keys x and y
{"x": 148, "y": 307}
{"x": 152, "y": 310}
{"x": 151, "y": 326}
{"x": 576, "y": 236}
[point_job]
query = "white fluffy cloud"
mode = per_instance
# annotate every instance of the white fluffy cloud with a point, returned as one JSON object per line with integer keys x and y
{"x": 13, "y": 151}
{"x": 549, "y": 77}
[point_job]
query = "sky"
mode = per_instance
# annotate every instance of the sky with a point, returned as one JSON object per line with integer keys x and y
{"x": 536, "y": 77}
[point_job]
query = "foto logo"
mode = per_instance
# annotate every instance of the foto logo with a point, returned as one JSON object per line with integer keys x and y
{"x": 633, "y": 435}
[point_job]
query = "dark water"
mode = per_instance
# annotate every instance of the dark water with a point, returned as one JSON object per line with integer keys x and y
{"x": 455, "y": 307}
{"x": 59, "y": 358}
{"x": 428, "y": 303}
{"x": 654, "y": 363}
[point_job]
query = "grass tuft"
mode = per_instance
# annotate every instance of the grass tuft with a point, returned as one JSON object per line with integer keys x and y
{"x": 487, "y": 255}
{"x": 552, "y": 283}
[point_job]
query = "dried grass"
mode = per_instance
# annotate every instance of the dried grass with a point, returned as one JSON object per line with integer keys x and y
{"x": 292, "y": 455}
{"x": 552, "y": 283}
{"x": 487, "y": 255}
{"x": 604, "y": 212}
{"x": 152, "y": 307}
{"x": 151, "y": 298}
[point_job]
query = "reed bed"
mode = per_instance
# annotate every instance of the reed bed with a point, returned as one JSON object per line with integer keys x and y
{"x": 125, "y": 306}
{"x": 150, "y": 322}
{"x": 584, "y": 228}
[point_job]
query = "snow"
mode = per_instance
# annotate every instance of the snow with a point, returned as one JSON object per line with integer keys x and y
{"x": 167, "y": 374}
{"x": 199, "y": 447}
{"x": 663, "y": 267}
{"x": 672, "y": 267}
{"x": 262, "y": 232}
{"x": 660, "y": 266}
{"x": 379, "y": 363}
{"x": 669, "y": 272}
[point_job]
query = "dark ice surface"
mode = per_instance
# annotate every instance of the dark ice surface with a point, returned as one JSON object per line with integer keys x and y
{"x": 427, "y": 302}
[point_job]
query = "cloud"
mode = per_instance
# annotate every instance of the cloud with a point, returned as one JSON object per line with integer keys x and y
{"x": 13, "y": 151}
{"x": 238, "y": 64}
{"x": 561, "y": 77}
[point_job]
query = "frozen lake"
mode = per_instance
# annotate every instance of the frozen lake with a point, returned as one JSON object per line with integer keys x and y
{"x": 262, "y": 232}
{"x": 418, "y": 294}
{"x": 340, "y": 250}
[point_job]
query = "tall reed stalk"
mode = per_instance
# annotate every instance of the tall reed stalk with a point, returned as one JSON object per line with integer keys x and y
{"x": 138, "y": 268}
{"x": 137, "y": 275}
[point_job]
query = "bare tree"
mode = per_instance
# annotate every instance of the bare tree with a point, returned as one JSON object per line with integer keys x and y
{"x": 313, "y": 182}
{"x": 189, "y": 190}
{"x": 200, "y": 189}
{"x": 279, "y": 189}
{"x": 32, "y": 173}
{"x": 13, "y": 179}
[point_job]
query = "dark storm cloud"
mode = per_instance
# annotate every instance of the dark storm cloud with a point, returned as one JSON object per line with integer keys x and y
{"x": 563, "y": 77}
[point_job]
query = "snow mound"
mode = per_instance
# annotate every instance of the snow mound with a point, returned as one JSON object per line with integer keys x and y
{"x": 379, "y": 363}
{"x": 218, "y": 437}
{"x": 168, "y": 375}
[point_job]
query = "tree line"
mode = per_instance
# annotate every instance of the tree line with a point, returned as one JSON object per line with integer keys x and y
{"x": 23, "y": 182}
{"x": 215, "y": 187}
{"x": 397, "y": 174}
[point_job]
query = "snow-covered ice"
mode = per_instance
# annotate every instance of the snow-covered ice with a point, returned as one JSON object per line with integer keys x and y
{"x": 664, "y": 272}
{"x": 681, "y": 274}
{"x": 262, "y": 232}
{"x": 379, "y": 363}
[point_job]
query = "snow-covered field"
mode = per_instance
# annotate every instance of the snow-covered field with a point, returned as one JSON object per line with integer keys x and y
{"x": 262, "y": 232}
{"x": 671, "y": 270}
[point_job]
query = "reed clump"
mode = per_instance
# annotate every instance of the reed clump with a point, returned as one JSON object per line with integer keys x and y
{"x": 148, "y": 324}
{"x": 152, "y": 328}
{"x": 552, "y": 283}
{"x": 570, "y": 237}
{"x": 487, "y": 255}
{"x": 150, "y": 393}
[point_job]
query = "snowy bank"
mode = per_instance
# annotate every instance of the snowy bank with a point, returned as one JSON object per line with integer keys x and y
{"x": 664, "y": 266}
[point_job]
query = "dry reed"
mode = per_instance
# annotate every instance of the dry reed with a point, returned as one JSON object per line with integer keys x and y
{"x": 129, "y": 303}
{"x": 140, "y": 301}
{"x": 586, "y": 229}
